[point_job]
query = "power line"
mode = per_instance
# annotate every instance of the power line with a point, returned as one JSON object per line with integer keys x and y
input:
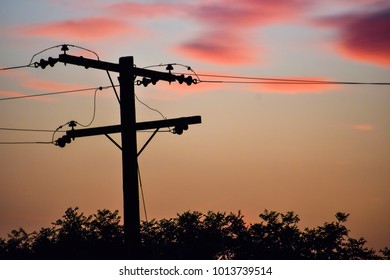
{"x": 94, "y": 109}
{"x": 265, "y": 80}
{"x": 15, "y": 67}
{"x": 150, "y": 108}
{"x": 27, "y": 129}
{"x": 55, "y": 93}
{"x": 24, "y": 143}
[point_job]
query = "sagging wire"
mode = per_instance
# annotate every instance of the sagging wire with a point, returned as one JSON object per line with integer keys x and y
{"x": 62, "y": 45}
{"x": 142, "y": 192}
{"x": 150, "y": 108}
{"x": 94, "y": 109}
{"x": 31, "y": 64}
{"x": 73, "y": 123}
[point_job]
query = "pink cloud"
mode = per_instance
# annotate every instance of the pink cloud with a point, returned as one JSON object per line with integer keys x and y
{"x": 146, "y": 10}
{"x": 364, "y": 127}
{"x": 50, "y": 86}
{"x": 249, "y": 13}
{"x": 219, "y": 47}
{"x": 229, "y": 26}
{"x": 94, "y": 28}
{"x": 363, "y": 36}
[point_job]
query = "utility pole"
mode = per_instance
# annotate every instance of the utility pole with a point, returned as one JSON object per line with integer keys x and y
{"x": 128, "y": 129}
{"x": 129, "y": 157}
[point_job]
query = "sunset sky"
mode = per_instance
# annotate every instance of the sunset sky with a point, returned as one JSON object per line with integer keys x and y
{"x": 315, "y": 149}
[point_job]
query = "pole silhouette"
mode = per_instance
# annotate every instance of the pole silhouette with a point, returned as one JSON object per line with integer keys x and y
{"x": 128, "y": 129}
{"x": 129, "y": 157}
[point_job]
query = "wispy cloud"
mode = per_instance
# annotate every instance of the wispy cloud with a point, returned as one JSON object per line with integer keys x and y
{"x": 229, "y": 28}
{"x": 85, "y": 29}
{"x": 364, "y": 127}
{"x": 50, "y": 86}
{"x": 146, "y": 10}
{"x": 363, "y": 35}
{"x": 221, "y": 47}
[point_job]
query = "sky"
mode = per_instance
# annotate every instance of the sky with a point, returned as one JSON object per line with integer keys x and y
{"x": 315, "y": 149}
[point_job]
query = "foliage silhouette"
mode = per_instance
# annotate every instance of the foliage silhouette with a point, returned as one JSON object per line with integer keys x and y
{"x": 191, "y": 235}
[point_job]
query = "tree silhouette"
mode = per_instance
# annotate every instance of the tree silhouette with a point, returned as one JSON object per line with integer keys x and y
{"x": 191, "y": 235}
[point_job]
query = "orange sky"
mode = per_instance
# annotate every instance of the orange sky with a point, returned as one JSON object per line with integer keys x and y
{"x": 311, "y": 148}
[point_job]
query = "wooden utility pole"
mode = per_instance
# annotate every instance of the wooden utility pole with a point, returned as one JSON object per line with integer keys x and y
{"x": 129, "y": 157}
{"x": 128, "y": 129}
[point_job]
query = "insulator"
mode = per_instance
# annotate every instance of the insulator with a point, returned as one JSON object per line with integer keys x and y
{"x": 64, "y": 48}
{"x": 146, "y": 81}
{"x": 72, "y": 124}
{"x": 169, "y": 67}
{"x": 180, "y": 78}
{"x": 189, "y": 80}
{"x": 67, "y": 139}
{"x": 178, "y": 130}
{"x": 61, "y": 142}
{"x": 43, "y": 63}
{"x": 52, "y": 61}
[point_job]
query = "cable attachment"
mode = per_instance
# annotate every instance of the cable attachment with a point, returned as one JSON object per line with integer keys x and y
{"x": 146, "y": 81}
{"x": 66, "y": 139}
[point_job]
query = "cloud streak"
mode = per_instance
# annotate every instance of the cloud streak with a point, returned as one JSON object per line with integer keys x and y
{"x": 364, "y": 127}
{"x": 91, "y": 29}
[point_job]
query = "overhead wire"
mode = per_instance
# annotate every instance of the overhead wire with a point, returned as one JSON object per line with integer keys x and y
{"x": 265, "y": 80}
{"x": 142, "y": 192}
{"x": 94, "y": 109}
{"x": 24, "y": 143}
{"x": 26, "y": 129}
{"x": 150, "y": 108}
{"x": 55, "y": 93}
{"x": 15, "y": 67}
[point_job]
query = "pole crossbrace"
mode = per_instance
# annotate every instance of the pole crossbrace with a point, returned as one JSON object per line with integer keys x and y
{"x": 113, "y": 141}
{"x": 147, "y": 142}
